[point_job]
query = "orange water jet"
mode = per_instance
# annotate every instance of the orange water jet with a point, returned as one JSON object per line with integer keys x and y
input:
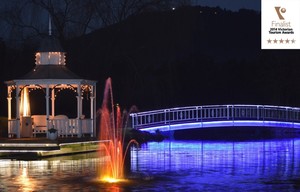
{"x": 112, "y": 135}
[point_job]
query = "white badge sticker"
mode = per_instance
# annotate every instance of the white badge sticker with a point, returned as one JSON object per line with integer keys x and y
{"x": 280, "y": 24}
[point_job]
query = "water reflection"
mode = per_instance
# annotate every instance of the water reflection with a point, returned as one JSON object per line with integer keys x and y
{"x": 61, "y": 173}
{"x": 26, "y": 183}
{"x": 223, "y": 165}
{"x": 174, "y": 166}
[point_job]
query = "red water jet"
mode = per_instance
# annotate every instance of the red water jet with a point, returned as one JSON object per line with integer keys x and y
{"x": 112, "y": 138}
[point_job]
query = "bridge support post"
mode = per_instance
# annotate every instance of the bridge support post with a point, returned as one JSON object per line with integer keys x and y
{"x": 227, "y": 112}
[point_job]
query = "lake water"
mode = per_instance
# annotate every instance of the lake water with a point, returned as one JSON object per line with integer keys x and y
{"x": 262, "y": 165}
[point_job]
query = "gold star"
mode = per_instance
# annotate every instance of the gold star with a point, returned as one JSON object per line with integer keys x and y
{"x": 293, "y": 40}
{"x": 287, "y": 41}
{"x": 281, "y": 41}
{"x": 269, "y": 40}
{"x": 275, "y": 40}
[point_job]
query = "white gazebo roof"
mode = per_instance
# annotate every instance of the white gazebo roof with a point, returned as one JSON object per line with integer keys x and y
{"x": 50, "y": 74}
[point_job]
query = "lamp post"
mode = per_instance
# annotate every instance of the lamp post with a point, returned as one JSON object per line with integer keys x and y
{"x": 26, "y": 122}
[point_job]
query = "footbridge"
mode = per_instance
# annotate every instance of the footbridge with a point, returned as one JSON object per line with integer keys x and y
{"x": 196, "y": 117}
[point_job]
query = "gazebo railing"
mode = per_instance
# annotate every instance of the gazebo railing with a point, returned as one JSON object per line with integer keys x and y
{"x": 65, "y": 127}
{"x": 13, "y": 128}
{"x": 87, "y": 127}
{"x": 72, "y": 127}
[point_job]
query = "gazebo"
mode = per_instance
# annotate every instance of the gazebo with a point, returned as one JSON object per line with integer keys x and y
{"x": 51, "y": 76}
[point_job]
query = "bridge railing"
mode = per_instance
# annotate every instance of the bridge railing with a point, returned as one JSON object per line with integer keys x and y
{"x": 214, "y": 113}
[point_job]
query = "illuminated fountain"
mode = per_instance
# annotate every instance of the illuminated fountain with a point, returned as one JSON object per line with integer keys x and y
{"x": 112, "y": 137}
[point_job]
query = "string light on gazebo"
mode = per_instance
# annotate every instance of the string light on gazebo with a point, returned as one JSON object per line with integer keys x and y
{"x": 86, "y": 88}
{"x": 50, "y": 58}
{"x": 11, "y": 89}
{"x": 35, "y": 87}
{"x": 62, "y": 87}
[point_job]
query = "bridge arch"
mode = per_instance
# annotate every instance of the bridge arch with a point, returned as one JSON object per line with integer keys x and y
{"x": 195, "y": 117}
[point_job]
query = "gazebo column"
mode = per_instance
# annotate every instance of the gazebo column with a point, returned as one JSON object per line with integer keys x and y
{"x": 18, "y": 111}
{"x": 79, "y": 102}
{"x": 79, "y": 110}
{"x": 47, "y": 108}
{"x": 53, "y": 102}
{"x": 95, "y": 108}
{"x": 92, "y": 113}
{"x": 9, "y": 112}
{"x": 9, "y": 103}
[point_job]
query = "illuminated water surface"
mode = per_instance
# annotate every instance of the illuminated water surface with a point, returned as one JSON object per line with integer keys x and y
{"x": 269, "y": 165}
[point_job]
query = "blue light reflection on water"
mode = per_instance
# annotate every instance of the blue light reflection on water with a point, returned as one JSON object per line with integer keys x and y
{"x": 269, "y": 165}
{"x": 212, "y": 165}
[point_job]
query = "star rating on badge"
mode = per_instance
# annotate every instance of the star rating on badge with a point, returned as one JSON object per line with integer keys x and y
{"x": 281, "y": 41}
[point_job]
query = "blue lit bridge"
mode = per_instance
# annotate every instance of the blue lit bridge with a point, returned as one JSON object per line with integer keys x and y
{"x": 209, "y": 116}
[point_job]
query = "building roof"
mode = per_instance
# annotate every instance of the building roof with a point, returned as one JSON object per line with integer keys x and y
{"x": 50, "y": 72}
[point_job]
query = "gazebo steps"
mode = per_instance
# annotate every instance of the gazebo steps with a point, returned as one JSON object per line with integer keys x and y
{"x": 34, "y": 148}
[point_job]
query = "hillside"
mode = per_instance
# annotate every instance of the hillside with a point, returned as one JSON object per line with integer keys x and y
{"x": 191, "y": 56}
